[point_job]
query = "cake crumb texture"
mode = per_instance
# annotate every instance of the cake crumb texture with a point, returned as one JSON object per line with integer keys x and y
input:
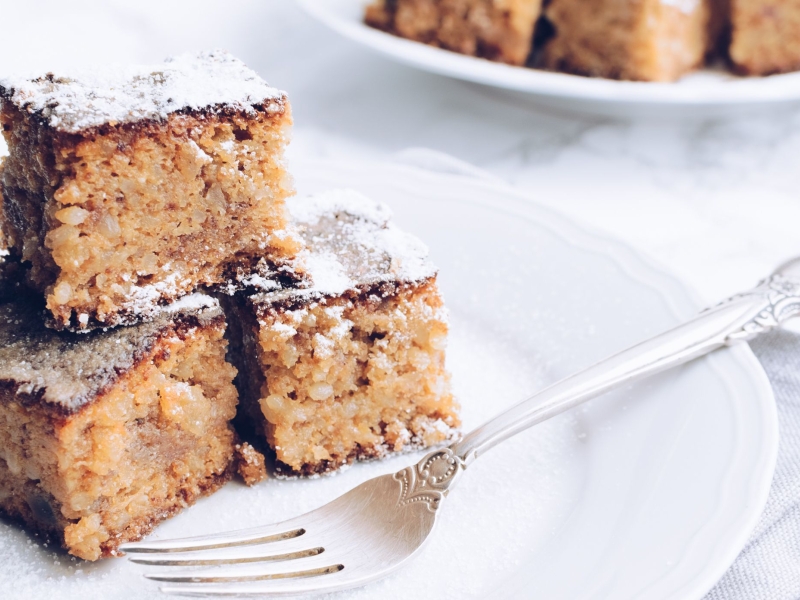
{"x": 250, "y": 464}
{"x": 355, "y": 378}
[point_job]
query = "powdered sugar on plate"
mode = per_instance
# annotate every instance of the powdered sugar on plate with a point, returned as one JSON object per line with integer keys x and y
{"x": 72, "y": 101}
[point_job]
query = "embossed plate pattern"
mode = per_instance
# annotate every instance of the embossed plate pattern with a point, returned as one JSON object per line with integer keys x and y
{"x": 646, "y": 493}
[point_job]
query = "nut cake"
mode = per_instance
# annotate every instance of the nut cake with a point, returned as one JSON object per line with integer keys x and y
{"x": 645, "y": 40}
{"x": 765, "y": 36}
{"x": 351, "y": 366}
{"x": 129, "y": 187}
{"x": 500, "y": 30}
{"x": 108, "y": 433}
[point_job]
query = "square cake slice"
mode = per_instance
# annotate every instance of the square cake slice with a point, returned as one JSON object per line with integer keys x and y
{"x": 129, "y": 187}
{"x": 765, "y": 36}
{"x": 353, "y": 366}
{"x": 641, "y": 40}
{"x": 500, "y": 30}
{"x": 103, "y": 435}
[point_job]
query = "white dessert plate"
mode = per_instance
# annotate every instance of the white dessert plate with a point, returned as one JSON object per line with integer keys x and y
{"x": 707, "y": 91}
{"x": 646, "y": 493}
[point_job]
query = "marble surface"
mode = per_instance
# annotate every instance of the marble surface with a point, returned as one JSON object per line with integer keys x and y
{"x": 717, "y": 201}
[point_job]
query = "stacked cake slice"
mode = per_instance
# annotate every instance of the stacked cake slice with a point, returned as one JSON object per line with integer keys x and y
{"x": 350, "y": 365}
{"x": 132, "y": 201}
{"x": 130, "y": 188}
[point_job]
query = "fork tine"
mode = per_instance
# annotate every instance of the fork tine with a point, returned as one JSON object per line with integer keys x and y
{"x": 242, "y": 537}
{"x": 331, "y": 582}
{"x": 211, "y": 558}
{"x": 309, "y": 567}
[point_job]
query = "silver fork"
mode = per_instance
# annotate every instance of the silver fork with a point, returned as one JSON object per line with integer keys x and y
{"x": 376, "y": 527}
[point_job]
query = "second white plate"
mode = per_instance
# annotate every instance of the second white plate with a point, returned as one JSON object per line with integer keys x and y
{"x": 704, "y": 92}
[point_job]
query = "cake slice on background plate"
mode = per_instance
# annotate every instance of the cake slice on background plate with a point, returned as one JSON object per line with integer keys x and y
{"x": 104, "y": 435}
{"x": 641, "y": 40}
{"x": 765, "y": 36}
{"x": 353, "y": 365}
{"x": 500, "y": 30}
{"x": 129, "y": 187}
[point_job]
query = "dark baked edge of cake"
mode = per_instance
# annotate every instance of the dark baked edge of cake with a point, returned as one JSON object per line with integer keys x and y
{"x": 263, "y": 306}
{"x": 180, "y": 326}
{"x": 67, "y": 138}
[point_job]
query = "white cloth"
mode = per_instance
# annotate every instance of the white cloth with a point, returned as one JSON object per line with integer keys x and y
{"x": 769, "y": 565}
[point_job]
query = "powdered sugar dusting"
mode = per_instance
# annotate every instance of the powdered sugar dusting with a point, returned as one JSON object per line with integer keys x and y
{"x": 191, "y": 303}
{"x": 81, "y": 99}
{"x": 350, "y": 243}
{"x": 327, "y": 273}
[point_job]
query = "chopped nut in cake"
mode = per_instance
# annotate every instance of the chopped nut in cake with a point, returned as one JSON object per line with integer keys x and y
{"x": 500, "y": 30}
{"x": 129, "y": 187}
{"x": 765, "y": 36}
{"x": 353, "y": 366}
{"x": 104, "y": 435}
{"x": 644, "y": 40}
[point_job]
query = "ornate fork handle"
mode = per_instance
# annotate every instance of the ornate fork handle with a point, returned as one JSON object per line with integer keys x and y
{"x": 739, "y": 318}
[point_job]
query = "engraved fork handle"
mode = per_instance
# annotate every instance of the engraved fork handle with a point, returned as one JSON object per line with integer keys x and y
{"x": 739, "y": 318}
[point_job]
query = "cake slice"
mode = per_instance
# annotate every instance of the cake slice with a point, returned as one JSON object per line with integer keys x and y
{"x": 500, "y": 30}
{"x": 104, "y": 435}
{"x": 642, "y": 40}
{"x": 352, "y": 366}
{"x": 129, "y": 187}
{"x": 765, "y": 36}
